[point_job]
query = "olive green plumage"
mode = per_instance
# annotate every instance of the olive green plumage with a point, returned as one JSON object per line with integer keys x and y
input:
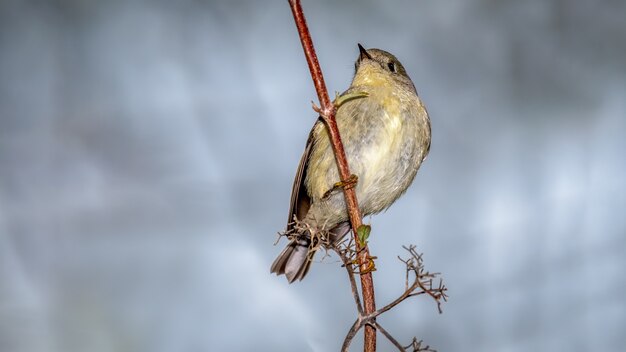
{"x": 386, "y": 136}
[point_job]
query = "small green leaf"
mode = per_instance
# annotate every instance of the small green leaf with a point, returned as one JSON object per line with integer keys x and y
{"x": 363, "y": 233}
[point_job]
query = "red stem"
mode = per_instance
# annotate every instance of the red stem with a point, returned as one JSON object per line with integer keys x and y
{"x": 327, "y": 112}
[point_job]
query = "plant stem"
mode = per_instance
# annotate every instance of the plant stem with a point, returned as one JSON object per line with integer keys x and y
{"x": 327, "y": 112}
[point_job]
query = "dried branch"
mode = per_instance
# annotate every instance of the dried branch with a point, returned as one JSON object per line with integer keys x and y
{"x": 423, "y": 279}
{"x": 389, "y": 337}
{"x": 345, "y": 255}
{"x": 422, "y": 284}
{"x": 417, "y": 346}
{"x": 327, "y": 112}
{"x": 351, "y": 333}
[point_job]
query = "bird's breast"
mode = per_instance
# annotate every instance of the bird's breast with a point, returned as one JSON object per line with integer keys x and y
{"x": 384, "y": 136}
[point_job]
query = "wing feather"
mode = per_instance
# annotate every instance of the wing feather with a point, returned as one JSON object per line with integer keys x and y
{"x": 300, "y": 200}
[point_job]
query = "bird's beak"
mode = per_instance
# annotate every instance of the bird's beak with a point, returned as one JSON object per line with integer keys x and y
{"x": 363, "y": 53}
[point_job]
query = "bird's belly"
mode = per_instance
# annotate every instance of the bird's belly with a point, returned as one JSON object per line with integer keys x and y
{"x": 384, "y": 149}
{"x": 387, "y": 165}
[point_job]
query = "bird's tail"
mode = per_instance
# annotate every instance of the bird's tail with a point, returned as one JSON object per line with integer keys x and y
{"x": 295, "y": 260}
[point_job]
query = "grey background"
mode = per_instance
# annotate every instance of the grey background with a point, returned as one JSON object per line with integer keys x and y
{"x": 147, "y": 151}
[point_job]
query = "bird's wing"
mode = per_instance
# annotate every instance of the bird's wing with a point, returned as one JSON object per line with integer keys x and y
{"x": 429, "y": 134}
{"x": 300, "y": 200}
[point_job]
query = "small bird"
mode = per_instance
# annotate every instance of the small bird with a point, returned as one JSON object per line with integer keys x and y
{"x": 386, "y": 136}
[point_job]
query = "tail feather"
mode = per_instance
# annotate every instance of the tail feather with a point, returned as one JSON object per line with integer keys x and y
{"x": 294, "y": 261}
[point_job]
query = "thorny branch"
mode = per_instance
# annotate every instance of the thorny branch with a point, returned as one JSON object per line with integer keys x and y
{"x": 355, "y": 255}
{"x": 327, "y": 113}
{"x": 422, "y": 284}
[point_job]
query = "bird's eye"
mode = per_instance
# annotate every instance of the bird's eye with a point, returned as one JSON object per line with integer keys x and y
{"x": 392, "y": 66}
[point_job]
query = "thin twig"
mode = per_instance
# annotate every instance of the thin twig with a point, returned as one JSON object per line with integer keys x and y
{"x": 422, "y": 280}
{"x": 414, "y": 264}
{"x": 350, "y": 335}
{"x": 416, "y": 345}
{"x": 348, "y": 265}
{"x": 390, "y": 338}
{"x": 327, "y": 112}
{"x": 406, "y": 294}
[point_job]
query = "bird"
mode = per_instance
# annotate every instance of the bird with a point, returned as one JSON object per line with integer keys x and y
{"x": 386, "y": 133}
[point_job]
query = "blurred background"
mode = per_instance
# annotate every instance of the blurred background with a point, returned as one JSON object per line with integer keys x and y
{"x": 147, "y": 151}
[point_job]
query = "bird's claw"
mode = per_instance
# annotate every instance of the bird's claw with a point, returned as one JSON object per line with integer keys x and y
{"x": 348, "y": 183}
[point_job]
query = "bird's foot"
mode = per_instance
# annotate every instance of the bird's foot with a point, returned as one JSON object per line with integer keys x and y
{"x": 345, "y": 184}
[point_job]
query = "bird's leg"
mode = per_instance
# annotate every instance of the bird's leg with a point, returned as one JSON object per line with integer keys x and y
{"x": 345, "y": 184}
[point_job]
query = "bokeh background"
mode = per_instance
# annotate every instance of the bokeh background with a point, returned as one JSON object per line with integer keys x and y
{"x": 147, "y": 150}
